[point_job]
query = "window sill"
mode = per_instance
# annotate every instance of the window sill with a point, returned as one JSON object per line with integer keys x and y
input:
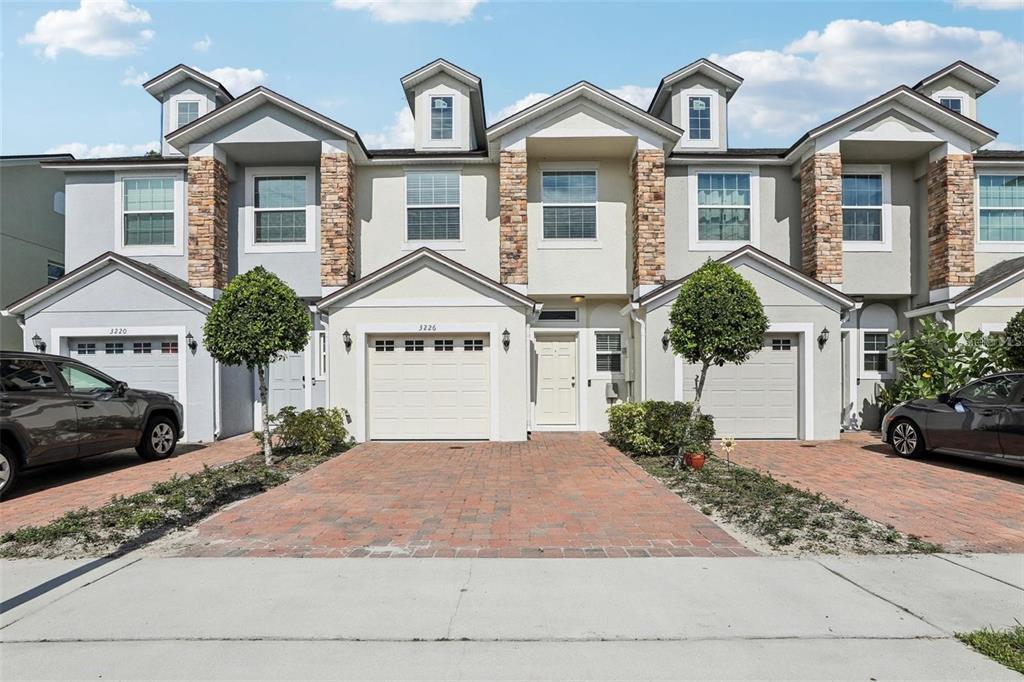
{"x": 866, "y": 247}
{"x": 452, "y": 245}
{"x": 164, "y": 250}
{"x": 999, "y": 247}
{"x": 280, "y": 248}
{"x": 569, "y": 244}
{"x": 876, "y": 376}
{"x": 720, "y": 246}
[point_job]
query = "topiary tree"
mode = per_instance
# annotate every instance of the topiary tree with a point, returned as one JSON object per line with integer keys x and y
{"x": 716, "y": 318}
{"x": 1014, "y": 341}
{"x": 257, "y": 318}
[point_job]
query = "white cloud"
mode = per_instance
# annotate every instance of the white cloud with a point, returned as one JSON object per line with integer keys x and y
{"x": 98, "y": 28}
{"x": 81, "y": 150}
{"x": 203, "y": 44}
{"x": 519, "y": 105}
{"x": 399, "y": 134}
{"x": 989, "y": 4}
{"x": 637, "y": 95}
{"x": 236, "y": 80}
{"x": 824, "y": 73}
{"x": 133, "y": 77}
{"x": 407, "y": 11}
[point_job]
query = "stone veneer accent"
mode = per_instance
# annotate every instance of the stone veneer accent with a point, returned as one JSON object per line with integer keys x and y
{"x": 821, "y": 217}
{"x": 512, "y": 177}
{"x": 951, "y": 222}
{"x": 648, "y": 171}
{"x": 207, "y": 223}
{"x": 337, "y": 220}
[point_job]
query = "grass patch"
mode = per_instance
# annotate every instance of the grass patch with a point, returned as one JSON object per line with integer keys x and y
{"x": 788, "y": 519}
{"x": 126, "y": 523}
{"x": 1002, "y": 646}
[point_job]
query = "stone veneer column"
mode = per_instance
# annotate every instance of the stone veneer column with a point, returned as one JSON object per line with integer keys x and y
{"x": 951, "y": 222}
{"x": 512, "y": 178}
{"x": 821, "y": 217}
{"x": 337, "y": 220}
{"x": 207, "y": 223}
{"x": 648, "y": 171}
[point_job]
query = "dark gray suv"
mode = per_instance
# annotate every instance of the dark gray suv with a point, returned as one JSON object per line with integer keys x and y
{"x": 53, "y": 408}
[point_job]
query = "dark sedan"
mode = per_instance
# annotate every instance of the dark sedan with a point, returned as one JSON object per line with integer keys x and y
{"x": 983, "y": 420}
{"x": 54, "y": 408}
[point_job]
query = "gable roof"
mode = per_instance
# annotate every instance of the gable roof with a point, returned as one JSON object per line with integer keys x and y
{"x": 774, "y": 263}
{"x": 721, "y": 75}
{"x": 593, "y": 93}
{"x": 257, "y": 97}
{"x": 990, "y": 280}
{"x": 972, "y": 75}
{"x": 159, "y": 84}
{"x": 157, "y": 276}
{"x": 470, "y": 80}
{"x": 420, "y": 254}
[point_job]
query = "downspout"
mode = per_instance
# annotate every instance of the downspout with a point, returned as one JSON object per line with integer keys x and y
{"x": 633, "y": 315}
{"x": 217, "y": 418}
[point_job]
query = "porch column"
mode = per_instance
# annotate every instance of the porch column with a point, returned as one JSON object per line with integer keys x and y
{"x": 207, "y": 222}
{"x": 337, "y": 220}
{"x": 648, "y": 170}
{"x": 821, "y": 217}
{"x": 950, "y": 225}
{"x": 512, "y": 179}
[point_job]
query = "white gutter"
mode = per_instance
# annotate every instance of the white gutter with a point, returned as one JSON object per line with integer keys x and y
{"x": 632, "y": 309}
{"x": 928, "y": 310}
{"x": 216, "y": 400}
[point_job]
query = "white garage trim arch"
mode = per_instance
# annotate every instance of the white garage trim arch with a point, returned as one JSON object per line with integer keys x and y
{"x": 359, "y": 346}
{"x": 806, "y": 388}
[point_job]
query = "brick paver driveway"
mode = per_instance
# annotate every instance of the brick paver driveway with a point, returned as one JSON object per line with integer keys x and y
{"x": 561, "y": 495}
{"x": 45, "y": 494}
{"x": 960, "y": 504}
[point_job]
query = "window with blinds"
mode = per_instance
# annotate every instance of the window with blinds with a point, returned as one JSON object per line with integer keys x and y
{"x": 609, "y": 351}
{"x": 148, "y": 211}
{"x": 432, "y": 206}
{"x": 570, "y": 204}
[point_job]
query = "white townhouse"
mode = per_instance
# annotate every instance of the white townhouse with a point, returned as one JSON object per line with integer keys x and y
{"x": 495, "y": 280}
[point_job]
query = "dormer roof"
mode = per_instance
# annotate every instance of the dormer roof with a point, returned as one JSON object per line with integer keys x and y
{"x": 973, "y": 76}
{"x": 471, "y": 81}
{"x": 719, "y": 74}
{"x": 158, "y": 85}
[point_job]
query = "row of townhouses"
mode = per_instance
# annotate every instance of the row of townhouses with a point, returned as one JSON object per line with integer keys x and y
{"x": 495, "y": 280}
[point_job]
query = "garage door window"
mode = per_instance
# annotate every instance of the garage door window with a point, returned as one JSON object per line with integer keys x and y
{"x": 116, "y": 348}
{"x": 142, "y": 347}
{"x": 169, "y": 347}
{"x": 609, "y": 352}
{"x": 384, "y": 345}
{"x": 473, "y": 344}
{"x": 442, "y": 345}
{"x": 782, "y": 344}
{"x": 414, "y": 345}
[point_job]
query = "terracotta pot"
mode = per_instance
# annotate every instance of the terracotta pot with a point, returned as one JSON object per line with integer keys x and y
{"x": 695, "y": 460}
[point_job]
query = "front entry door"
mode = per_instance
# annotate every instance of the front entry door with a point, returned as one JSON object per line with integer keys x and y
{"x": 556, "y": 381}
{"x": 287, "y": 382}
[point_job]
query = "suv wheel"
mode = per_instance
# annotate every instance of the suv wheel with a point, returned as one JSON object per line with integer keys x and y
{"x": 8, "y": 470}
{"x": 906, "y": 439}
{"x": 158, "y": 439}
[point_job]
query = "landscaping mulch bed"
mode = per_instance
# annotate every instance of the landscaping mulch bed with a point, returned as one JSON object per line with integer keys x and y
{"x": 127, "y": 523}
{"x": 777, "y": 517}
{"x": 1002, "y": 646}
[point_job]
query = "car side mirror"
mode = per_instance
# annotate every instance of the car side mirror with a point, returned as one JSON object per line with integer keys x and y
{"x": 120, "y": 388}
{"x": 944, "y": 398}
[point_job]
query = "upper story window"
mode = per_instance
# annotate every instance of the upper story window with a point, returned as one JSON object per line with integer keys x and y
{"x": 148, "y": 211}
{"x": 862, "y": 208}
{"x": 953, "y": 104}
{"x": 441, "y": 118}
{"x": 280, "y": 210}
{"x": 54, "y": 271}
{"x": 188, "y": 111}
{"x": 700, "y": 118}
{"x": 432, "y": 206}
{"x": 570, "y": 204}
{"x": 723, "y": 207}
{"x": 1001, "y": 208}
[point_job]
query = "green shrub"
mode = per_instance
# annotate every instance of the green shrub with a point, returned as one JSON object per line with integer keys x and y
{"x": 656, "y": 427}
{"x": 317, "y": 432}
{"x": 1014, "y": 341}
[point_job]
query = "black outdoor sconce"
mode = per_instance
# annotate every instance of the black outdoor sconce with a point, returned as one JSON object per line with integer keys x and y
{"x": 38, "y": 344}
{"x": 506, "y": 339}
{"x": 664, "y": 340}
{"x": 346, "y": 338}
{"x": 191, "y": 342}
{"x": 823, "y": 338}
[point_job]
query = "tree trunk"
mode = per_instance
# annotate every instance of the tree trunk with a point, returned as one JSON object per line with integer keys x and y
{"x": 268, "y": 454}
{"x": 698, "y": 389}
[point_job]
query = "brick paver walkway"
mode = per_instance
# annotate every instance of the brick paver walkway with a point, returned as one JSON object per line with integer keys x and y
{"x": 960, "y": 504}
{"x": 45, "y": 494}
{"x": 558, "y": 495}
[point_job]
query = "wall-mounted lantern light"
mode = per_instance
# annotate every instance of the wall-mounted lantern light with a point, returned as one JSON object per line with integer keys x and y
{"x": 346, "y": 338}
{"x": 665, "y": 339}
{"x": 577, "y": 298}
{"x": 38, "y": 344}
{"x": 506, "y": 339}
{"x": 823, "y": 338}
{"x": 191, "y": 342}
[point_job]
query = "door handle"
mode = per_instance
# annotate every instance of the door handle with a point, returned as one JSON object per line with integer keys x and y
{"x": 84, "y": 404}
{"x": 987, "y": 413}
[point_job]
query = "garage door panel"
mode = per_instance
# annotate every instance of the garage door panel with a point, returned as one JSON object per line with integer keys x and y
{"x": 155, "y": 370}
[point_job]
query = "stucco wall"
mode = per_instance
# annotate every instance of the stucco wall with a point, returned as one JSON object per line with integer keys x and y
{"x": 443, "y": 85}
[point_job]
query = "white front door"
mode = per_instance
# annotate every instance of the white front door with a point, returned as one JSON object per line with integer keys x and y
{"x": 556, "y": 381}
{"x": 286, "y": 384}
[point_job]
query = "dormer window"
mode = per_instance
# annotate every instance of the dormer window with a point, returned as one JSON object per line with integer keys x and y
{"x": 700, "y": 118}
{"x": 188, "y": 111}
{"x": 952, "y": 103}
{"x": 441, "y": 119}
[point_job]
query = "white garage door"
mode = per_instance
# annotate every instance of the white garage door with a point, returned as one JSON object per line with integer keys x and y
{"x": 429, "y": 387}
{"x": 149, "y": 362}
{"x": 758, "y": 399}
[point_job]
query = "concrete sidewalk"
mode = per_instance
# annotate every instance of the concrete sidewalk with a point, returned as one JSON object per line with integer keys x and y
{"x": 740, "y": 618}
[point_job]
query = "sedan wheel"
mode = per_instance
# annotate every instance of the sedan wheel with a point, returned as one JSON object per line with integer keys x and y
{"x": 8, "y": 471}
{"x": 162, "y": 438}
{"x": 906, "y": 439}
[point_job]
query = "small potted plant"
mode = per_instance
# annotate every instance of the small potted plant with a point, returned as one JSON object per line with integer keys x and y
{"x": 697, "y": 442}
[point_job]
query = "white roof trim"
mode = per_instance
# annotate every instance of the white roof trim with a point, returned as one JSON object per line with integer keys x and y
{"x": 155, "y": 87}
{"x": 593, "y": 93}
{"x": 975, "y": 76}
{"x": 100, "y": 165}
{"x": 992, "y": 288}
{"x": 436, "y": 66}
{"x": 714, "y": 71}
{"x": 414, "y": 258}
{"x": 929, "y": 309}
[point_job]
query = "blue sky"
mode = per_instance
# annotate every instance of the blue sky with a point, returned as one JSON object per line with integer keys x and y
{"x": 69, "y": 72}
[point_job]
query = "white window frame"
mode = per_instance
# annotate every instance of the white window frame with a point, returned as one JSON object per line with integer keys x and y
{"x": 177, "y": 113}
{"x": 423, "y": 127}
{"x": 697, "y": 244}
{"x": 322, "y": 355}
{"x": 435, "y": 244}
{"x": 885, "y": 244}
{"x": 684, "y": 104}
{"x": 988, "y": 246}
{"x": 873, "y": 374}
{"x": 563, "y": 242}
{"x": 175, "y": 249}
{"x": 559, "y": 323}
{"x": 312, "y": 210}
{"x": 430, "y": 121}
{"x": 711, "y": 121}
{"x": 604, "y": 373}
{"x": 939, "y": 97}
